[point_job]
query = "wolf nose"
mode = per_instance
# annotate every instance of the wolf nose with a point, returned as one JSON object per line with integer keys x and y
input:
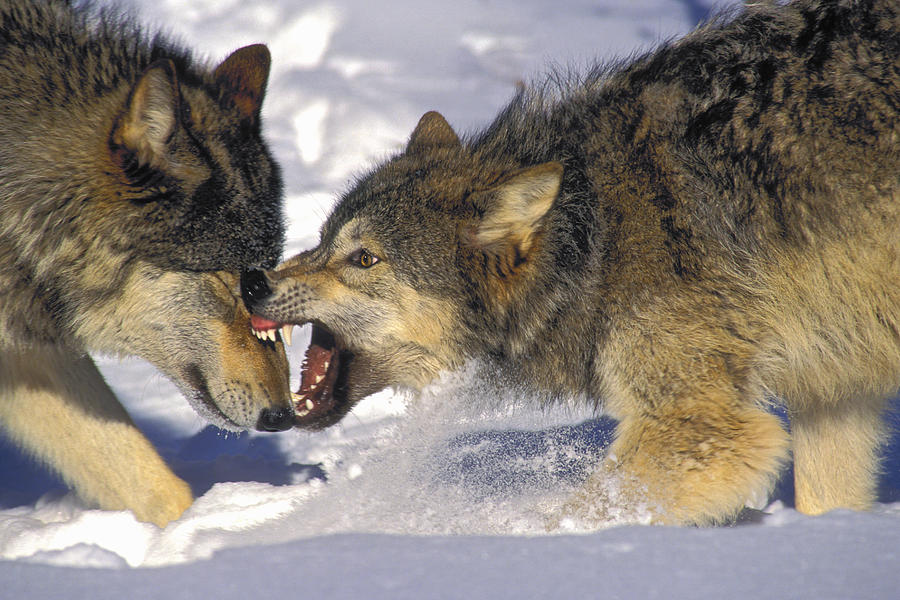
{"x": 275, "y": 419}
{"x": 254, "y": 287}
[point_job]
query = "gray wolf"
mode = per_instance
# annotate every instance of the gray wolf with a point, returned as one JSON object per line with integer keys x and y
{"x": 134, "y": 185}
{"x": 684, "y": 240}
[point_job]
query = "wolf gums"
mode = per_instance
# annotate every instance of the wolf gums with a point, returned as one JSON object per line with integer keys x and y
{"x": 134, "y": 183}
{"x": 685, "y": 240}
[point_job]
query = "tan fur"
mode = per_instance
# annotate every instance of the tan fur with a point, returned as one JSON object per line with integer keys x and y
{"x": 410, "y": 329}
{"x": 521, "y": 203}
{"x": 836, "y": 380}
{"x": 76, "y": 425}
{"x": 54, "y": 402}
{"x": 150, "y": 119}
{"x": 723, "y": 238}
{"x": 134, "y": 184}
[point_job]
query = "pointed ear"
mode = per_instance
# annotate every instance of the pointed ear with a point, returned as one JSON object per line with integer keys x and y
{"x": 242, "y": 78}
{"x": 516, "y": 207}
{"x": 151, "y": 115}
{"x": 433, "y": 131}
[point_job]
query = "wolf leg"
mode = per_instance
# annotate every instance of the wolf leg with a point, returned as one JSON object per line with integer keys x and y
{"x": 691, "y": 446}
{"x": 836, "y": 455}
{"x": 700, "y": 462}
{"x": 58, "y": 408}
{"x": 696, "y": 463}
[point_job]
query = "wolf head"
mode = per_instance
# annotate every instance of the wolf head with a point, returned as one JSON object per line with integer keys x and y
{"x": 143, "y": 181}
{"x": 430, "y": 259}
{"x": 200, "y": 192}
{"x": 190, "y": 171}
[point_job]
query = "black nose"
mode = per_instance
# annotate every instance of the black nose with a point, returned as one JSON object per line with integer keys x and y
{"x": 275, "y": 419}
{"x": 254, "y": 287}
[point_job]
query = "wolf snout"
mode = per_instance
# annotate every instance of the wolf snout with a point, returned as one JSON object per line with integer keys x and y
{"x": 275, "y": 419}
{"x": 254, "y": 287}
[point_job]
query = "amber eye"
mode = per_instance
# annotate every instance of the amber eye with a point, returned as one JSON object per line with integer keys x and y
{"x": 365, "y": 259}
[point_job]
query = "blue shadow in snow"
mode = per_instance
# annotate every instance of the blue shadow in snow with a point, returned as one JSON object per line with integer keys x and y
{"x": 22, "y": 479}
{"x": 211, "y": 456}
{"x": 502, "y": 463}
{"x": 214, "y": 456}
{"x": 497, "y": 463}
{"x": 485, "y": 464}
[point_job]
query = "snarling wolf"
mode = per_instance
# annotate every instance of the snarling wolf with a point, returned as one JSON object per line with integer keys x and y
{"x": 685, "y": 239}
{"x": 134, "y": 185}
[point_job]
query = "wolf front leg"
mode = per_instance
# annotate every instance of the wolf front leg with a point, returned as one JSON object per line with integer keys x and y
{"x": 696, "y": 462}
{"x": 693, "y": 443}
{"x": 692, "y": 463}
{"x": 56, "y": 406}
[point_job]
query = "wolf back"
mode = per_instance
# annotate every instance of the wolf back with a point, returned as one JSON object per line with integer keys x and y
{"x": 683, "y": 238}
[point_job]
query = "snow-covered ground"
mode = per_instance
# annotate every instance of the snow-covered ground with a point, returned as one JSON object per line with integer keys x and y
{"x": 444, "y": 496}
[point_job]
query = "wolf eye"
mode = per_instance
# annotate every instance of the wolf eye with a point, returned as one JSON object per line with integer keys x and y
{"x": 365, "y": 259}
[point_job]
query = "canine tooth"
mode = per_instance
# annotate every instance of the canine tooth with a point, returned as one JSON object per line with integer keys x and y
{"x": 319, "y": 379}
{"x": 286, "y": 333}
{"x": 302, "y": 413}
{"x": 309, "y": 404}
{"x": 326, "y": 365}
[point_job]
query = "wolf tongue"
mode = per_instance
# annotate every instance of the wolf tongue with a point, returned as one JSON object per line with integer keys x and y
{"x": 314, "y": 369}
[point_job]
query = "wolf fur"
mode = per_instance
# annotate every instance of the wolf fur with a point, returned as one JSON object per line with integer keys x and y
{"x": 684, "y": 240}
{"x": 133, "y": 182}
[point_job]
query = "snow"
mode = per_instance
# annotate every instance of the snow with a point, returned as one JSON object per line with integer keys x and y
{"x": 624, "y": 563}
{"x": 446, "y": 495}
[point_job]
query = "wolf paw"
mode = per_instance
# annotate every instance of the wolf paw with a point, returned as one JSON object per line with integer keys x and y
{"x": 166, "y": 504}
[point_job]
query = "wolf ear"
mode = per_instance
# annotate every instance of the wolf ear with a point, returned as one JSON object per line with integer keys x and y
{"x": 515, "y": 209}
{"x": 242, "y": 77}
{"x": 433, "y": 131}
{"x": 151, "y": 116}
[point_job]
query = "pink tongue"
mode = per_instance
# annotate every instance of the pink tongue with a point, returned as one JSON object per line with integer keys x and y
{"x": 262, "y": 324}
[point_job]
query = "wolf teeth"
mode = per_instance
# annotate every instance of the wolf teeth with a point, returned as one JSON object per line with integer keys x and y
{"x": 297, "y": 398}
{"x": 300, "y": 402}
{"x": 268, "y": 334}
{"x": 272, "y": 334}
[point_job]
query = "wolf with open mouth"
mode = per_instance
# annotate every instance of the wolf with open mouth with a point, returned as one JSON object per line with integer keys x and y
{"x": 360, "y": 343}
{"x": 679, "y": 239}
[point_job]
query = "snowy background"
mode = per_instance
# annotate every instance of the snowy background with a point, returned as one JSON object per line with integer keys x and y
{"x": 444, "y": 496}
